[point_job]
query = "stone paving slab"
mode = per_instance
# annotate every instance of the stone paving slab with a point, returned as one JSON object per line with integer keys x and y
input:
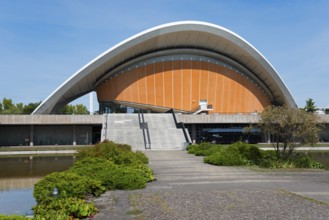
{"x": 187, "y": 188}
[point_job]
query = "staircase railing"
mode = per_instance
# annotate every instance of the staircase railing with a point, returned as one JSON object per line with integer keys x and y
{"x": 180, "y": 125}
{"x": 144, "y": 126}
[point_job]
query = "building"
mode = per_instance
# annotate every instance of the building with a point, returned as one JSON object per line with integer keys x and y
{"x": 182, "y": 66}
{"x": 214, "y": 77}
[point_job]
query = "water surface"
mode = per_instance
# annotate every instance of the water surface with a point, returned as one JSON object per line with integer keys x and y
{"x": 18, "y": 176}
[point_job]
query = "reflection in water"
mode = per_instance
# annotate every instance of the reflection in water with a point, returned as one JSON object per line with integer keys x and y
{"x": 17, "y": 201}
{"x": 18, "y": 176}
{"x": 18, "y": 183}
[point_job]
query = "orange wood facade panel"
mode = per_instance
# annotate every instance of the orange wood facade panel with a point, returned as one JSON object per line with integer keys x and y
{"x": 195, "y": 84}
{"x": 177, "y": 84}
{"x": 168, "y": 84}
{"x": 186, "y": 85}
{"x": 181, "y": 84}
{"x": 159, "y": 95}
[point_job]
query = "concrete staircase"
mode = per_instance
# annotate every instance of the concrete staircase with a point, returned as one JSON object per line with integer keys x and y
{"x": 125, "y": 128}
{"x": 163, "y": 132}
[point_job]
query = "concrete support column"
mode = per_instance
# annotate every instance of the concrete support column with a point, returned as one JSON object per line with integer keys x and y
{"x": 193, "y": 134}
{"x": 31, "y": 135}
{"x": 267, "y": 137}
{"x": 74, "y": 135}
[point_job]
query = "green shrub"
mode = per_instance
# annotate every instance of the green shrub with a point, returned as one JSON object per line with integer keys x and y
{"x": 251, "y": 154}
{"x": 68, "y": 184}
{"x": 203, "y": 149}
{"x": 225, "y": 157}
{"x": 98, "y": 169}
{"x": 104, "y": 166}
{"x": 146, "y": 172}
{"x": 64, "y": 208}
{"x": 236, "y": 154}
{"x": 142, "y": 157}
{"x": 117, "y": 153}
{"x": 129, "y": 178}
{"x": 268, "y": 159}
{"x": 110, "y": 174}
{"x": 297, "y": 160}
{"x": 13, "y": 217}
{"x": 301, "y": 160}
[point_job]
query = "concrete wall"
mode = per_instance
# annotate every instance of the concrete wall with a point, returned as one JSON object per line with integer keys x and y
{"x": 50, "y": 119}
{"x": 26, "y": 135}
{"x": 24, "y": 130}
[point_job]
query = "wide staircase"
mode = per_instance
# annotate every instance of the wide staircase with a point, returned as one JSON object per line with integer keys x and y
{"x": 144, "y": 131}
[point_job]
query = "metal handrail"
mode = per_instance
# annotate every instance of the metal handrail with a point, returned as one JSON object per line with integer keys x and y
{"x": 180, "y": 125}
{"x": 144, "y": 126}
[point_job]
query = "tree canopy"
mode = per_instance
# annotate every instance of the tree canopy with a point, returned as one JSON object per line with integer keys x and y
{"x": 310, "y": 105}
{"x": 78, "y": 109}
{"x": 289, "y": 128}
{"x": 8, "y": 107}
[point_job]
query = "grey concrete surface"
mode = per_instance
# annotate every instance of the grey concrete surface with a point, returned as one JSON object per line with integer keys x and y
{"x": 187, "y": 188}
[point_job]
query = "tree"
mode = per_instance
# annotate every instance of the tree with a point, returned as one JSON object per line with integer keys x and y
{"x": 310, "y": 105}
{"x": 28, "y": 109}
{"x": 8, "y": 107}
{"x": 78, "y": 109}
{"x": 81, "y": 109}
{"x": 290, "y": 128}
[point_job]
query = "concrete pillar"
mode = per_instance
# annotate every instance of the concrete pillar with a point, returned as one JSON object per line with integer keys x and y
{"x": 74, "y": 135}
{"x": 31, "y": 135}
{"x": 193, "y": 134}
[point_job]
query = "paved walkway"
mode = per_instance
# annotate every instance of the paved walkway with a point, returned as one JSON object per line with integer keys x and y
{"x": 187, "y": 188}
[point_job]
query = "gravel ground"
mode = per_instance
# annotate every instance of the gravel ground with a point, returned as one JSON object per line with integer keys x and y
{"x": 166, "y": 204}
{"x": 186, "y": 188}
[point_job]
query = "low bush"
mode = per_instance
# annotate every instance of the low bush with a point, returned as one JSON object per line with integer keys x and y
{"x": 129, "y": 177}
{"x": 297, "y": 160}
{"x": 117, "y": 153}
{"x": 203, "y": 149}
{"x": 304, "y": 161}
{"x": 114, "y": 176}
{"x": 64, "y": 208}
{"x": 68, "y": 184}
{"x": 251, "y": 154}
{"x": 225, "y": 158}
{"x": 105, "y": 166}
{"x": 237, "y": 154}
{"x": 96, "y": 168}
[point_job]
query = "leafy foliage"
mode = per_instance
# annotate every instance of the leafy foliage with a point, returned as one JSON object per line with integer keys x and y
{"x": 104, "y": 166}
{"x": 64, "y": 208}
{"x": 117, "y": 153}
{"x": 235, "y": 155}
{"x": 203, "y": 149}
{"x": 310, "y": 105}
{"x": 13, "y": 217}
{"x": 242, "y": 154}
{"x": 78, "y": 109}
{"x": 8, "y": 107}
{"x": 297, "y": 160}
{"x": 68, "y": 184}
{"x": 291, "y": 128}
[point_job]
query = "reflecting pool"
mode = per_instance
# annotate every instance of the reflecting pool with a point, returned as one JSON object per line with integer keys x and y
{"x": 18, "y": 176}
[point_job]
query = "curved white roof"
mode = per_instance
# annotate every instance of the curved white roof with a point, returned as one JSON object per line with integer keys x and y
{"x": 185, "y": 34}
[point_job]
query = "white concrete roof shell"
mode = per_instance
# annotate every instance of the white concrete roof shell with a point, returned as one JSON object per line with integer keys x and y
{"x": 184, "y": 34}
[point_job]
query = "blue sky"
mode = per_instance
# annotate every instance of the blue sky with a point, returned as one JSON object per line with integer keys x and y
{"x": 42, "y": 43}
